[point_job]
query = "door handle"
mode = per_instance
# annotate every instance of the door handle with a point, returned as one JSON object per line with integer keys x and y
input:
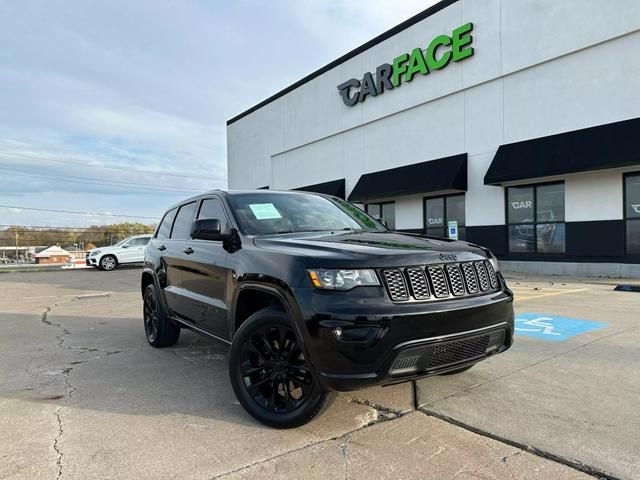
{"x": 162, "y": 248}
{"x": 188, "y": 250}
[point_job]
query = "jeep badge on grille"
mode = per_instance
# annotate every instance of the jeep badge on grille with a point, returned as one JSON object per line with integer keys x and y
{"x": 448, "y": 257}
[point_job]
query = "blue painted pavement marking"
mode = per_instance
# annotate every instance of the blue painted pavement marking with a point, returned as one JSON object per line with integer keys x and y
{"x": 552, "y": 328}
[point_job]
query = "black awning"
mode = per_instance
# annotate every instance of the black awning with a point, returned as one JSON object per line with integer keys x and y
{"x": 449, "y": 173}
{"x": 595, "y": 148}
{"x": 334, "y": 187}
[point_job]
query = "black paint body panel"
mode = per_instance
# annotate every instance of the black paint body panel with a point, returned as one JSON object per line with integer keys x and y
{"x": 200, "y": 290}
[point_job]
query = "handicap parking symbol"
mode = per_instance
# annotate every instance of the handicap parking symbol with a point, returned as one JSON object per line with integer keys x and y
{"x": 552, "y": 328}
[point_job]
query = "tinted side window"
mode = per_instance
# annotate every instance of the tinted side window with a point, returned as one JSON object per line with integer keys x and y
{"x": 184, "y": 219}
{"x": 212, "y": 208}
{"x": 139, "y": 242}
{"x": 165, "y": 226}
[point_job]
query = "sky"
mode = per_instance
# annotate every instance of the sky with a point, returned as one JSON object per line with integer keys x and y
{"x": 118, "y": 107}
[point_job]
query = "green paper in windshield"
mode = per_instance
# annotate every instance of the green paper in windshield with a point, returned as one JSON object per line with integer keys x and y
{"x": 264, "y": 211}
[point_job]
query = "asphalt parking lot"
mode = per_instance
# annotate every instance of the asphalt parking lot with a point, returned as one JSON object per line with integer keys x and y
{"x": 83, "y": 396}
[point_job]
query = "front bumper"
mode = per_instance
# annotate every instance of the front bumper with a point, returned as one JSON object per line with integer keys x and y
{"x": 358, "y": 339}
{"x": 93, "y": 261}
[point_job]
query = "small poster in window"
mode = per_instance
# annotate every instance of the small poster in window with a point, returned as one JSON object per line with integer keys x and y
{"x": 452, "y": 229}
{"x": 264, "y": 211}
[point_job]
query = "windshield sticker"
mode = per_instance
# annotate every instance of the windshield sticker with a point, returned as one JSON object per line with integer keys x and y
{"x": 264, "y": 211}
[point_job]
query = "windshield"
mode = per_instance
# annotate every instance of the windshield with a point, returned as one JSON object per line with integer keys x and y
{"x": 122, "y": 242}
{"x": 276, "y": 213}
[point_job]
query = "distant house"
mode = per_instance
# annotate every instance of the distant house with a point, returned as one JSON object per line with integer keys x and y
{"x": 52, "y": 255}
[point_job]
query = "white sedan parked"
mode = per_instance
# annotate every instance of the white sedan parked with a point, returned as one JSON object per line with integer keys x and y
{"x": 129, "y": 250}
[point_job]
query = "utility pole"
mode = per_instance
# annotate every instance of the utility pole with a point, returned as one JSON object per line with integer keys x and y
{"x": 16, "y": 247}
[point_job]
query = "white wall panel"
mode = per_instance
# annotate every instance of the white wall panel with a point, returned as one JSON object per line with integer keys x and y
{"x": 483, "y": 117}
{"x": 486, "y": 62}
{"x": 592, "y": 87}
{"x": 593, "y": 196}
{"x": 534, "y": 31}
{"x": 484, "y": 203}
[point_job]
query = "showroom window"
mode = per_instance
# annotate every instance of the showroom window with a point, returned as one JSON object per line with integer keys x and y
{"x": 439, "y": 211}
{"x": 632, "y": 211}
{"x": 385, "y": 211}
{"x": 535, "y": 217}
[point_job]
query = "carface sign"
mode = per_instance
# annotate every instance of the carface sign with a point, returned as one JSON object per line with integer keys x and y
{"x": 442, "y": 50}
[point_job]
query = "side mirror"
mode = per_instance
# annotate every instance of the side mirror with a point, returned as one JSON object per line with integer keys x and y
{"x": 125, "y": 246}
{"x": 207, "y": 229}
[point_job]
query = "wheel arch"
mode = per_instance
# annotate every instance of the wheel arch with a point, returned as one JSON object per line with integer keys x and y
{"x": 147, "y": 278}
{"x": 264, "y": 295}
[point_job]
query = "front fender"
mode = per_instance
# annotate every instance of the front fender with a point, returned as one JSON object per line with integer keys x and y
{"x": 280, "y": 290}
{"x": 156, "y": 282}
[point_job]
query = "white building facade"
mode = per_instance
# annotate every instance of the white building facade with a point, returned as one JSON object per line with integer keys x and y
{"x": 517, "y": 120}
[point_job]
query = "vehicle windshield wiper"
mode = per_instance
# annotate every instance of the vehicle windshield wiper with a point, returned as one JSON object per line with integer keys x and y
{"x": 346, "y": 229}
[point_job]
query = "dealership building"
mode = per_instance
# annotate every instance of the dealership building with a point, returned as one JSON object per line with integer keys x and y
{"x": 513, "y": 124}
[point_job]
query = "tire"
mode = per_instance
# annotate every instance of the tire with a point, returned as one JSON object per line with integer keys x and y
{"x": 269, "y": 374}
{"x": 459, "y": 370}
{"x": 158, "y": 328}
{"x": 108, "y": 263}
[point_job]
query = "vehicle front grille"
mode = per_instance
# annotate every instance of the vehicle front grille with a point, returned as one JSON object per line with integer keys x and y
{"x": 436, "y": 282}
{"x": 438, "y": 356}
{"x": 455, "y": 277}
{"x": 419, "y": 283}
{"x": 453, "y": 352}
{"x": 470, "y": 278}
{"x": 483, "y": 278}
{"x": 396, "y": 285}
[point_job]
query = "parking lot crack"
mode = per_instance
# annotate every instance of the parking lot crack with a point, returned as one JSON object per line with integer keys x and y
{"x": 68, "y": 386}
{"x": 45, "y": 319}
{"x": 519, "y": 370}
{"x": 568, "y": 462}
{"x": 383, "y": 414}
{"x": 56, "y": 443}
{"x": 505, "y": 460}
{"x": 344, "y": 451}
{"x": 343, "y": 444}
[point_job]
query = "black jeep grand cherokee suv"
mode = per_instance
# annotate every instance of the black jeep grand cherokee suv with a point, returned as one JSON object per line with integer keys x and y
{"x": 314, "y": 296}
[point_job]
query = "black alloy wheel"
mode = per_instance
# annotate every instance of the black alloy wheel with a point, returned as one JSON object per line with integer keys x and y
{"x": 158, "y": 328}
{"x": 274, "y": 370}
{"x": 270, "y": 374}
{"x": 150, "y": 311}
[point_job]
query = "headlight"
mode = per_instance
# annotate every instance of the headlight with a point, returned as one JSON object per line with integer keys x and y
{"x": 342, "y": 279}
{"x": 94, "y": 253}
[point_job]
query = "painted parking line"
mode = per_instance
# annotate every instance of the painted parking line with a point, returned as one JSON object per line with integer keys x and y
{"x": 549, "y": 294}
{"x": 552, "y": 328}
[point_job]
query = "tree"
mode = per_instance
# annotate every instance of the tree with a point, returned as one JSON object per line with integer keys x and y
{"x": 96, "y": 235}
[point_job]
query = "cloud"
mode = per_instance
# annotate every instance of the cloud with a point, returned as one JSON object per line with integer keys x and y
{"x": 97, "y": 96}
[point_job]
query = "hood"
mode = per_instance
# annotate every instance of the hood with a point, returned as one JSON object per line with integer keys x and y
{"x": 380, "y": 248}
{"x": 103, "y": 249}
